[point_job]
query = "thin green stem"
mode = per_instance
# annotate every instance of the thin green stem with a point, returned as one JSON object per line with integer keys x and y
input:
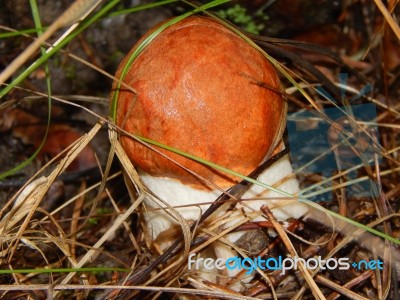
{"x": 63, "y": 270}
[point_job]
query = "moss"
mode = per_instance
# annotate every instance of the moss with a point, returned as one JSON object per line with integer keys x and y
{"x": 238, "y": 15}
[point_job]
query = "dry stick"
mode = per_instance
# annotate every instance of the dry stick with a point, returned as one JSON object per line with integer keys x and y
{"x": 281, "y": 232}
{"x": 78, "y": 10}
{"x": 350, "y": 284}
{"x": 349, "y": 294}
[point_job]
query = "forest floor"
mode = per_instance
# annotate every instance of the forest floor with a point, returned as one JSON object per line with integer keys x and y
{"x": 65, "y": 206}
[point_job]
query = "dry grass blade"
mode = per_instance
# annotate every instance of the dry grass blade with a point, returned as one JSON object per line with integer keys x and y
{"x": 109, "y": 233}
{"x": 351, "y": 283}
{"x": 344, "y": 291}
{"x": 392, "y": 23}
{"x": 63, "y": 287}
{"x": 29, "y": 208}
{"x": 133, "y": 176}
{"x": 307, "y": 276}
{"x": 24, "y": 203}
{"x": 121, "y": 218}
{"x": 76, "y": 11}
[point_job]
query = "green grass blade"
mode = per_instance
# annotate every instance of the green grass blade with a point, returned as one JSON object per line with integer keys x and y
{"x": 63, "y": 270}
{"x": 82, "y": 26}
{"x": 141, "y": 7}
{"x": 39, "y": 30}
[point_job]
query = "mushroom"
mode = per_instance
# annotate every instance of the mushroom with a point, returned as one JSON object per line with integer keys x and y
{"x": 197, "y": 91}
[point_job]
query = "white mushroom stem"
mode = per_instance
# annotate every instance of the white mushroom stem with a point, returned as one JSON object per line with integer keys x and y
{"x": 178, "y": 194}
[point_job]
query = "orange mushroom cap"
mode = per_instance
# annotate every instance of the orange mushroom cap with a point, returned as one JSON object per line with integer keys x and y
{"x": 197, "y": 91}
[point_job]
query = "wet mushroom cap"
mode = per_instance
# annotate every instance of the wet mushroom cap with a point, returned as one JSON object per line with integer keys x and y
{"x": 198, "y": 91}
